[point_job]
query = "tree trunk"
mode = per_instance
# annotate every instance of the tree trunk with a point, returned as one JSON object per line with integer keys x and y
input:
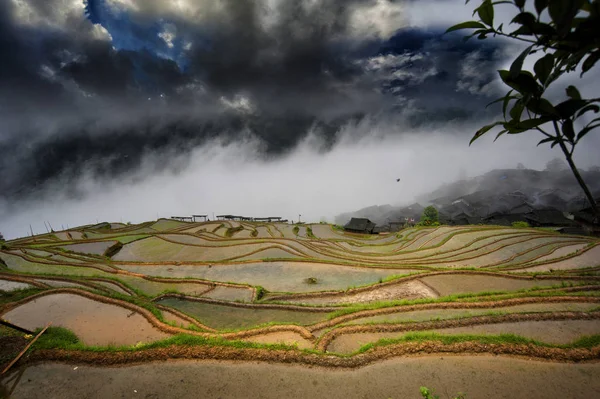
{"x": 584, "y": 186}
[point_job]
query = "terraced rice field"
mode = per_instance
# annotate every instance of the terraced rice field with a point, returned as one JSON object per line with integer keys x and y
{"x": 308, "y": 295}
{"x": 95, "y": 323}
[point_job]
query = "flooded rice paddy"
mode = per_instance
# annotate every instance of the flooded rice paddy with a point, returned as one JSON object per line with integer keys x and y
{"x": 229, "y": 317}
{"x": 95, "y": 323}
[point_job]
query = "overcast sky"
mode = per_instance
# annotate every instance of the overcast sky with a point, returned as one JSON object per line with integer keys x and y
{"x": 129, "y": 110}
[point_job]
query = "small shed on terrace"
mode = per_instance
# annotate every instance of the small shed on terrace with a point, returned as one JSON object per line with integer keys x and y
{"x": 360, "y": 225}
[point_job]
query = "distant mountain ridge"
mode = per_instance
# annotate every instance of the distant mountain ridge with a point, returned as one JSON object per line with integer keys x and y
{"x": 496, "y": 197}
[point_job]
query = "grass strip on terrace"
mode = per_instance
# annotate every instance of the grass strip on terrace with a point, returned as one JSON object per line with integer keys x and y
{"x": 467, "y": 297}
{"x": 62, "y": 338}
{"x": 7, "y": 297}
{"x": 585, "y": 342}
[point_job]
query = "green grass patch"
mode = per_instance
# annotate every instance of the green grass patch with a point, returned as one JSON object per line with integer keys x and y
{"x": 232, "y": 230}
{"x": 260, "y": 292}
{"x": 141, "y": 300}
{"x": 62, "y": 338}
{"x": 217, "y": 228}
{"x": 548, "y": 230}
{"x": 57, "y": 338}
{"x": 131, "y": 238}
{"x": 466, "y": 297}
{"x": 587, "y": 342}
{"x": 17, "y": 295}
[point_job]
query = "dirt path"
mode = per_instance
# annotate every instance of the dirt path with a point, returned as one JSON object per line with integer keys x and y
{"x": 495, "y": 377}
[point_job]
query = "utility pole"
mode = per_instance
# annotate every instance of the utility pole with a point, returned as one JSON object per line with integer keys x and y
{"x": 299, "y": 218}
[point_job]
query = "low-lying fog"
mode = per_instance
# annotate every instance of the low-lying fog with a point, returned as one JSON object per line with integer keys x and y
{"x": 361, "y": 170}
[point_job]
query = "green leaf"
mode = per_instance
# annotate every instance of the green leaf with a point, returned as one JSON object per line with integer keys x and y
{"x": 541, "y": 106}
{"x": 543, "y": 68}
{"x": 540, "y": 5}
{"x": 483, "y": 130}
{"x": 513, "y": 127}
{"x": 524, "y": 83}
{"x": 587, "y": 6}
{"x": 541, "y": 28}
{"x": 522, "y": 31}
{"x": 532, "y": 123}
{"x": 546, "y": 140}
{"x": 586, "y": 130}
{"x": 573, "y": 93}
{"x": 495, "y": 101}
{"x": 590, "y": 61}
{"x": 525, "y": 19}
{"x": 486, "y": 12}
{"x": 466, "y": 25}
{"x": 592, "y": 107}
{"x": 517, "y": 64}
{"x": 500, "y": 134}
{"x": 520, "y": 3}
{"x": 562, "y": 13}
{"x": 517, "y": 110}
{"x": 567, "y": 109}
{"x": 507, "y": 98}
{"x": 567, "y": 129}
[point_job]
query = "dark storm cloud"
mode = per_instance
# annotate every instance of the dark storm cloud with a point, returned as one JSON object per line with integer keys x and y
{"x": 73, "y": 99}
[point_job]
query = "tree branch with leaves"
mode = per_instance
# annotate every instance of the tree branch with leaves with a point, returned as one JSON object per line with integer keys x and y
{"x": 567, "y": 35}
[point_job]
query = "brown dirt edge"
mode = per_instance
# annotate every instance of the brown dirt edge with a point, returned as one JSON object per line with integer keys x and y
{"x": 420, "y": 276}
{"x": 27, "y": 258}
{"x": 159, "y": 324}
{"x": 328, "y": 337}
{"x": 19, "y": 279}
{"x": 533, "y": 263}
{"x": 423, "y": 259}
{"x": 248, "y": 305}
{"x": 117, "y": 283}
{"x": 347, "y": 261}
{"x": 210, "y": 283}
{"x": 30, "y": 279}
{"x": 449, "y": 305}
{"x": 436, "y": 292}
{"x": 530, "y": 352}
{"x": 185, "y": 317}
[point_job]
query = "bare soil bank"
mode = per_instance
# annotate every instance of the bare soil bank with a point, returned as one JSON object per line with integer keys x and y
{"x": 477, "y": 376}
